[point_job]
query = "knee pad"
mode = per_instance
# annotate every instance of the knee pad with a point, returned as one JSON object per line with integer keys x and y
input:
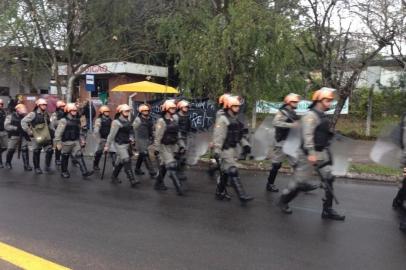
{"x": 276, "y": 166}
{"x": 232, "y": 172}
{"x": 125, "y": 160}
{"x": 50, "y": 151}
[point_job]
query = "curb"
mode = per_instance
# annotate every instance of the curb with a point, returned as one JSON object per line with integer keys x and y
{"x": 377, "y": 178}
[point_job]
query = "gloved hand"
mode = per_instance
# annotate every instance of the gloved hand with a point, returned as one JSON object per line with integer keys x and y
{"x": 216, "y": 156}
{"x": 156, "y": 152}
{"x": 182, "y": 150}
{"x": 246, "y": 149}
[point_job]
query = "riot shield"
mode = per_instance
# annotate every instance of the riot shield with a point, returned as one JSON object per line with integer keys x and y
{"x": 263, "y": 139}
{"x": 197, "y": 144}
{"x": 292, "y": 143}
{"x": 386, "y": 150}
{"x": 341, "y": 148}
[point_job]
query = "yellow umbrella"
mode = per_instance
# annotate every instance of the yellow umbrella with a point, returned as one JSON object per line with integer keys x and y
{"x": 145, "y": 87}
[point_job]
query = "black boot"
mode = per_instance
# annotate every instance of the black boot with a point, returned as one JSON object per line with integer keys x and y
{"x": 116, "y": 172}
{"x": 130, "y": 175}
{"x": 1, "y": 157}
{"x": 64, "y": 165}
{"x": 400, "y": 196}
{"x": 172, "y": 171}
{"x": 26, "y": 159}
{"x": 48, "y": 159}
{"x": 286, "y": 198}
{"x": 150, "y": 167}
{"x": 57, "y": 157}
{"x": 138, "y": 164}
{"x": 9, "y": 158}
{"x": 328, "y": 211}
{"x": 36, "y": 155}
{"x": 159, "y": 183}
{"x": 236, "y": 184}
{"x": 82, "y": 166}
{"x": 271, "y": 178}
{"x": 221, "y": 190}
{"x": 97, "y": 156}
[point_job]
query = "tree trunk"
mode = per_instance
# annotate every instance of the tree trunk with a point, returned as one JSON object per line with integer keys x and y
{"x": 70, "y": 88}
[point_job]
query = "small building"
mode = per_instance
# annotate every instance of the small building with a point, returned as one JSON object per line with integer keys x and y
{"x": 109, "y": 75}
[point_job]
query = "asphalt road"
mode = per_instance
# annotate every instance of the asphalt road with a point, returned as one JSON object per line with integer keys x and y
{"x": 96, "y": 225}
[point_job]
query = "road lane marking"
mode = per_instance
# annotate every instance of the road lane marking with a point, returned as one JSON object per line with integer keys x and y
{"x": 26, "y": 260}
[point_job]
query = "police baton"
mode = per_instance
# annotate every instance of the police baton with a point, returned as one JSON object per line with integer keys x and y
{"x": 104, "y": 165}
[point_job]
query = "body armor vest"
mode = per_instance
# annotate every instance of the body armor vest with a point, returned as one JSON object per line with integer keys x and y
{"x": 171, "y": 132}
{"x": 123, "y": 134}
{"x": 282, "y": 133}
{"x": 16, "y": 122}
{"x": 322, "y": 133}
{"x": 234, "y": 132}
{"x": 145, "y": 129}
{"x": 59, "y": 114}
{"x": 184, "y": 125}
{"x": 2, "y": 119}
{"x": 40, "y": 118}
{"x": 105, "y": 127}
{"x": 72, "y": 130}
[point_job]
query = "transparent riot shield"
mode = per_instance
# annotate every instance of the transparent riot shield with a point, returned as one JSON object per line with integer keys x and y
{"x": 292, "y": 143}
{"x": 341, "y": 149}
{"x": 263, "y": 139}
{"x": 197, "y": 144}
{"x": 386, "y": 150}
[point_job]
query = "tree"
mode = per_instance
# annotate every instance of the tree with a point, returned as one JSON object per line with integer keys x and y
{"x": 234, "y": 46}
{"x": 340, "y": 52}
{"x": 83, "y": 33}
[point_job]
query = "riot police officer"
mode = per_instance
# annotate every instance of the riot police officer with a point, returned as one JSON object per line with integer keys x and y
{"x": 143, "y": 129}
{"x": 39, "y": 119}
{"x": 399, "y": 202}
{"x": 3, "y": 132}
{"x": 55, "y": 117}
{"x": 185, "y": 127}
{"x": 213, "y": 166}
{"x": 316, "y": 137}
{"x": 69, "y": 138}
{"x": 285, "y": 119}
{"x": 166, "y": 140}
{"x": 18, "y": 138}
{"x": 102, "y": 127}
{"x": 122, "y": 135}
{"x": 228, "y": 133}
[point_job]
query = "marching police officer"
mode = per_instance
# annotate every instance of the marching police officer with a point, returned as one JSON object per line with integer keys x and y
{"x": 399, "y": 202}
{"x": 39, "y": 118}
{"x": 3, "y": 132}
{"x": 18, "y": 138}
{"x": 316, "y": 137}
{"x": 285, "y": 119}
{"x": 185, "y": 127}
{"x": 122, "y": 135}
{"x": 213, "y": 167}
{"x": 228, "y": 133}
{"x": 69, "y": 138}
{"x": 166, "y": 140}
{"x": 102, "y": 127}
{"x": 55, "y": 117}
{"x": 143, "y": 129}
